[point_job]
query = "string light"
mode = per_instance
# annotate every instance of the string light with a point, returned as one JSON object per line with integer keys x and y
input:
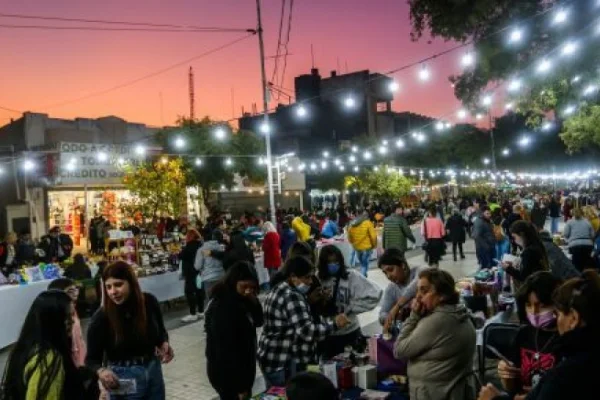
{"x": 228, "y": 162}
{"x": 324, "y": 164}
{"x": 367, "y": 155}
{"x": 354, "y": 149}
{"x": 102, "y": 156}
{"x": 514, "y": 85}
{"x": 400, "y": 143}
{"x": 356, "y": 169}
{"x": 478, "y": 116}
{"x": 569, "y": 48}
{"x": 301, "y": 111}
{"x": 524, "y": 141}
{"x": 462, "y": 114}
{"x": 424, "y": 73}
{"x": 349, "y": 102}
{"x": 560, "y": 17}
{"x": 546, "y": 126}
{"x": 313, "y": 166}
{"x": 576, "y": 79}
{"x": 394, "y": 86}
{"x": 486, "y": 161}
{"x": 337, "y": 161}
{"x": 468, "y": 60}
{"x": 569, "y": 110}
{"x": 198, "y": 162}
{"x": 352, "y": 159}
{"x": 509, "y": 106}
{"x": 180, "y": 142}
{"x": 382, "y": 150}
{"x": 506, "y": 152}
{"x": 544, "y": 66}
{"x": 140, "y": 150}
{"x": 325, "y": 154}
{"x": 590, "y": 89}
{"x": 487, "y": 100}
{"x": 447, "y": 125}
{"x": 515, "y": 35}
{"x": 376, "y": 168}
{"x": 220, "y": 133}
{"x": 439, "y": 126}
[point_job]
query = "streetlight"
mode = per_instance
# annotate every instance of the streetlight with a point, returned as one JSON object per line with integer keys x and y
{"x": 349, "y": 102}
{"x": 265, "y": 128}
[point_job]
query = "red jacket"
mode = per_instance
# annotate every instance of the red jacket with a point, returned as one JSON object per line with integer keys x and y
{"x": 272, "y": 250}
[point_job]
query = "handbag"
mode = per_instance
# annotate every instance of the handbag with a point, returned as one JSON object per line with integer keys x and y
{"x": 381, "y": 353}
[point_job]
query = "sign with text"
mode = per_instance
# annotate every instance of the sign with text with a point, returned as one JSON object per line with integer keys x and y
{"x": 94, "y": 163}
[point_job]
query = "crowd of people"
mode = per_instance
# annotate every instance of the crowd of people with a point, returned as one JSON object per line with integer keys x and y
{"x": 312, "y": 301}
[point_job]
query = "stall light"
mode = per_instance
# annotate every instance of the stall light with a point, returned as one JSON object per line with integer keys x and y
{"x": 70, "y": 167}
{"x": 121, "y": 161}
{"x": 28, "y": 165}
{"x": 302, "y": 167}
{"x": 323, "y": 164}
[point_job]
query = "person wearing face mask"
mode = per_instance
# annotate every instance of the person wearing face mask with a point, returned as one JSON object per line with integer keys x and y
{"x": 351, "y": 294}
{"x": 438, "y": 339}
{"x": 288, "y": 341}
{"x": 535, "y": 346}
{"x": 232, "y": 318}
{"x": 575, "y": 374}
{"x": 533, "y": 257}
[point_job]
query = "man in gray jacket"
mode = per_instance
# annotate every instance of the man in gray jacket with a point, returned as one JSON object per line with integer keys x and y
{"x": 485, "y": 242}
{"x": 396, "y": 231}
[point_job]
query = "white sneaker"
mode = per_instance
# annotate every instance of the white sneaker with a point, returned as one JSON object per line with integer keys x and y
{"x": 190, "y": 318}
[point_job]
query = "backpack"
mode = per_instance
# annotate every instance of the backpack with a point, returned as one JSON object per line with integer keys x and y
{"x": 499, "y": 233}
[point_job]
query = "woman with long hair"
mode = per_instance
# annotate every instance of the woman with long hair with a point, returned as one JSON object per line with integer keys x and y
{"x": 533, "y": 255}
{"x": 271, "y": 248}
{"x": 127, "y": 339}
{"x": 193, "y": 294}
{"x": 433, "y": 232}
{"x": 575, "y": 373}
{"x": 348, "y": 292}
{"x": 231, "y": 320}
{"x": 40, "y": 365}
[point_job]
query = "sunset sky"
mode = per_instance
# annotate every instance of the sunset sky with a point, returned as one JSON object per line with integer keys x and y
{"x": 41, "y": 68}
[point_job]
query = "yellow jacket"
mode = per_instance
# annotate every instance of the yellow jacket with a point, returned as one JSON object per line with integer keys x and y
{"x": 302, "y": 229}
{"x": 362, "y": 235}
{"x": 56, "y": 384}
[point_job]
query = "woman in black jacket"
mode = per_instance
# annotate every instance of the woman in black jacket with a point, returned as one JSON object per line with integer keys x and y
{"x": 193, "y": 295}
{"x": 456, "y": 228}
{"x": 533, "y": 257}
{"x": 577, "y": 302}
{"x": 231, "y": 320}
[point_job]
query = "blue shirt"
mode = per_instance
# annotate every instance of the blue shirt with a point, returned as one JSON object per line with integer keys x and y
{"x": 330, "y": 229}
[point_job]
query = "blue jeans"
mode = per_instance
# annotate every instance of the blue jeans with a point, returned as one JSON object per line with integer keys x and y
{"x": 279, "y": 378}
{"x": 364, "y": 257}
{"x": 554, "y": 225}
{"x": 149, "y": 381}
{"x": 502, "y": 248}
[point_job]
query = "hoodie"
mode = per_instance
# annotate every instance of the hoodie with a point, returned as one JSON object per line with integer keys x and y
{"x": 210, "y": 268}
{"x": 361, "y": 234}
{"x": 355, "y": 295}
{"x": 439, "y": 347}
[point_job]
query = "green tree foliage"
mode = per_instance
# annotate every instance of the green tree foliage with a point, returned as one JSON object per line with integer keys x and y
{"x": 157, "y": 188}
{"x": 485, "y": 23}
{"x": 202, "y": 143}
{"x": 582, "y": 128}
{"x": 383, "y": 185}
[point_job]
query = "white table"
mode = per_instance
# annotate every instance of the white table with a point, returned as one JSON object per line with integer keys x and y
{"x": 16, "y": 300}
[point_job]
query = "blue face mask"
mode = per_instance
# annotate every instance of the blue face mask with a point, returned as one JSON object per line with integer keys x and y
{"x": 333, "y": 268}
{"x": 303, "y": 288}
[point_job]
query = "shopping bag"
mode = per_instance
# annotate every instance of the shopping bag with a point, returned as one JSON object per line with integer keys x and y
{"x": 381, "y": 353}
{"x": 199, "y": 281}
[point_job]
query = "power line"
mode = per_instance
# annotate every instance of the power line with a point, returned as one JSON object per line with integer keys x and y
{"x": 278, "y": 52}
{"x": 113, "y": 22}
{"x": 10, "y": 110}
{"x": 124, "y": 29}
{"x": 151, "y": 75}
{"x": 287, "y": 42}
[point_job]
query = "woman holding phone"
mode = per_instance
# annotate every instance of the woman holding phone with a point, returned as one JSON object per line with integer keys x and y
{"x": 127, "y": 339}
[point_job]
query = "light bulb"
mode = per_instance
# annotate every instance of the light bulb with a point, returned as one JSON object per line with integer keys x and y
{"x": 102, "y": 156}
{"x": 568, "y": 48}
{"x": 462, "y": 114}
{"x": 560, "y": 17}
{"x": 516, "y": 35}
{"x": 468, "y": 60}
{"x": 400, "y": 143}
{"x": 367, "y": 155}
{"x": 544, "y": 66}
{"x": 439, "y": 126}
{"x": 394, "y": 86}
{"x": 198, "y": 162}
{"x": 424, "y": 74}
{"x": 179, "y": 142}
{"x": 349, "y": 102}
{"x": 301, "y": 111}
{"x": 514, "y": 85}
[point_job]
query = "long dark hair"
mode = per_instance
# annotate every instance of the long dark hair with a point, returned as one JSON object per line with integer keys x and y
{"x": 239, "y": 271}
{"x": 582, "y": 295}
{"x": 135, "y": 302}
{"x": 531, "y": 237}
{"x": 543, "y": 284}
{"x": 326, "y": 253}
{"x": 44, "y": 336}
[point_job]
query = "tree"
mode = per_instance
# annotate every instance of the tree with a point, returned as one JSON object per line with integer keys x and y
{"x": 203, "y": 142}
{"x": 156, "y": 188}
{"x": 385, "y": 186}
{"x": 485, "y": 23}
{"x": 582, "y": 128}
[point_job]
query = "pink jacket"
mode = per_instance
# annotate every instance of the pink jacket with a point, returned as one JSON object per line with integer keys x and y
{"x": 435, "y": 228}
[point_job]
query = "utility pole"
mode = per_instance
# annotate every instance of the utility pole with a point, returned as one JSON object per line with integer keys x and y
{"x": 192, "y": 96}
{"x": 267, "y": 132}
{"x": 493, "y": 142}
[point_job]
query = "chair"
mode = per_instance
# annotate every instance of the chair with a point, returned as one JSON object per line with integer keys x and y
{"x": 498, "y": 335}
